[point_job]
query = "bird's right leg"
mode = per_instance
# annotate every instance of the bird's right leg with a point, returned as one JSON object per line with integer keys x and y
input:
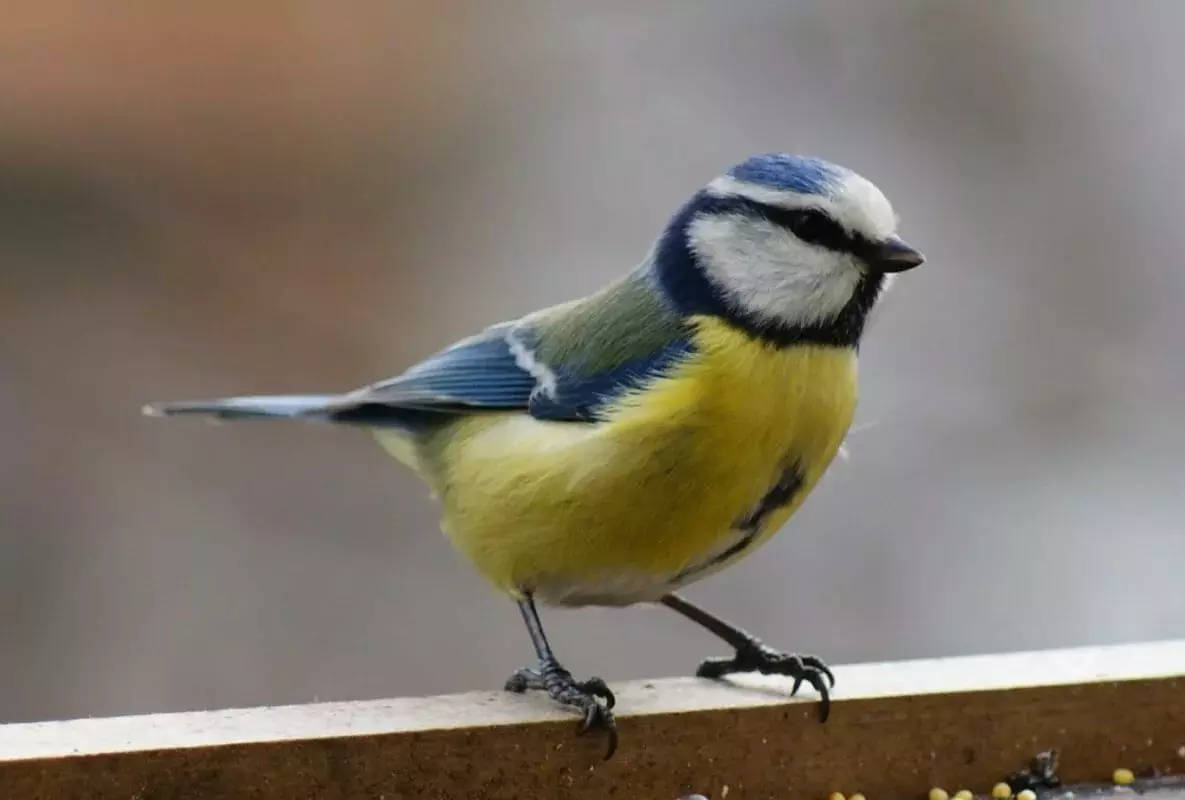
{"x": 550, "y": 676}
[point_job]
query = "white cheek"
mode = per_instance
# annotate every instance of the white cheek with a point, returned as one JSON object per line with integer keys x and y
{"x": 768, "y": 272}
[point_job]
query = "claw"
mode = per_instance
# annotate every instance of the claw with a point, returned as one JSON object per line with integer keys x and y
{"x": 599, "y": 716}
{"x": 824, "y": 702}
{"x": 611, "y": 748}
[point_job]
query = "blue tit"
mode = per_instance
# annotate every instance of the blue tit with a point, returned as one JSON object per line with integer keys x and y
{"x": 615, "y": 448}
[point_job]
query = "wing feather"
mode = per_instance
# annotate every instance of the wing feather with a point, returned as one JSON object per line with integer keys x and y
{"x": 564, "y": 363}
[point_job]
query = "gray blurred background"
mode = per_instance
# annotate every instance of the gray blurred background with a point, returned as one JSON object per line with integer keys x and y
{"x": 200, "y": 202}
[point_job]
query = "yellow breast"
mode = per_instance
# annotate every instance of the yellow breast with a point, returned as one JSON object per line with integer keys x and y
{"x": 654, "y": 496}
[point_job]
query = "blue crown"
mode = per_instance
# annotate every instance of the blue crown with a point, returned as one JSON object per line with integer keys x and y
{"x": 784, "y": 172}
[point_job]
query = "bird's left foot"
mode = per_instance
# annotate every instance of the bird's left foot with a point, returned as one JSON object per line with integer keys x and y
{"x": 757, "y": 657}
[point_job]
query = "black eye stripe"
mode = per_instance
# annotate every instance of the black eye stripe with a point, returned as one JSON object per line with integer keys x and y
{"x": 811, "y": 225}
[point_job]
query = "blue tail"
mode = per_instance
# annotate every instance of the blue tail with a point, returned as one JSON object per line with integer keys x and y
{"x": 345, "y": 409}
{"x": 293, "y": 406}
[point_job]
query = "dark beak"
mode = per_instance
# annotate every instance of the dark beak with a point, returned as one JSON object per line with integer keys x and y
{"x": 895, "y": 255}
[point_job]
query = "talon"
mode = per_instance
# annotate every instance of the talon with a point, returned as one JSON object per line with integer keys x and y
{"x": 816, "y": 664}
{"x": 824, "y": 705}
{"x": 590, "y": 714}
{"x": 612, "y": 746}
{"x": 599, "y": 716}
{"x": 602, "y": 718}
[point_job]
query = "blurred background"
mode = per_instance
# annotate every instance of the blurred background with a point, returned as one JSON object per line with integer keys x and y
{"x": 195, "y": 202}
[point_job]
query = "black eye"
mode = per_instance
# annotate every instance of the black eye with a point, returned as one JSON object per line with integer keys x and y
{"x": 813, "y": 227}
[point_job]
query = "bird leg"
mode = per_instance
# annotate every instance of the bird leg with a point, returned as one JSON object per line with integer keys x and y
{"x": 754, "y": 656}
{"x": 550, "y": 676}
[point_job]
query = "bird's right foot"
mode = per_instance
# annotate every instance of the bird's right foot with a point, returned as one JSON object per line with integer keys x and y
{"x": 592, "y": 697}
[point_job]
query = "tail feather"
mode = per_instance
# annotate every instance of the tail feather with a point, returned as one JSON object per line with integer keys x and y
{"x": 307, "y": 406}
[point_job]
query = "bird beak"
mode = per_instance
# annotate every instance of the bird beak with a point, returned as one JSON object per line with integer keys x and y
{"x": 895, "y": 255}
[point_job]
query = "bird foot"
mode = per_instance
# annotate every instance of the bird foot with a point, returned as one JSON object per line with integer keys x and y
{"x": 757, "y": 657}
{"x": 592, "y": 697}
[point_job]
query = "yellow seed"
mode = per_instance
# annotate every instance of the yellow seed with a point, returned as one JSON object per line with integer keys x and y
{"x": 856, "y": 796}
{"x": 1123, "y": 777}
{"x": 1026, "y": 794}
{"x": 939, "y": 794}
{"x": 1001, "y": 791}
{"x": 964, "y": 794}
{"x": 836, "y": 796}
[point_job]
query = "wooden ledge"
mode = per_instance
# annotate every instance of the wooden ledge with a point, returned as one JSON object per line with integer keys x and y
{"x": 896, "y": 729}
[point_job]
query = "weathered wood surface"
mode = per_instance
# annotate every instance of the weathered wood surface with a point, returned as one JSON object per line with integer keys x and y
{"x": 895, "y": 730}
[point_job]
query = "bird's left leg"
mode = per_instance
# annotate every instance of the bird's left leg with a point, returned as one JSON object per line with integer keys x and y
{"x": 550, "y": 676}
{"x": 754, "y": 656}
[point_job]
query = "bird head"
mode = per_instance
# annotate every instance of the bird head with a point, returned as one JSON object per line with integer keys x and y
{"x": 790, "y": 247}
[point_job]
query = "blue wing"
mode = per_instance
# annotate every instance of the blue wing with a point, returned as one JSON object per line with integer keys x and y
{"x": 500, "y": 370}
{"x": 474, "y": 374}
{"x": 564, "y": 363}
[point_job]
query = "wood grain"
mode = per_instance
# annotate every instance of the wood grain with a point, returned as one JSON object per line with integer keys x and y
{"x": 896, "y": 729}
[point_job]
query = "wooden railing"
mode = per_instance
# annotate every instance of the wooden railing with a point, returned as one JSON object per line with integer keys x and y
{"x": 895, "y": 730}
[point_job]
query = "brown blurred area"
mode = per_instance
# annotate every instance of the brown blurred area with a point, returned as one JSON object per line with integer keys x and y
{"x": 208, "y": 200}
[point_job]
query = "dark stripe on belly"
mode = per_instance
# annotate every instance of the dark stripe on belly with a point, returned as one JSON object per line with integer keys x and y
{"x": 780, "y": 495}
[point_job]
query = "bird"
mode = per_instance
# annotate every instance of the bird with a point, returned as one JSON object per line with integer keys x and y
{"x": 619, "y": 447}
